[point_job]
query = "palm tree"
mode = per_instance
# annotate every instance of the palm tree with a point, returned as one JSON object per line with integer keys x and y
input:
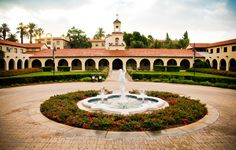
{"x": 12, "y": 37}
{"x": 22, "y": 29}
{"x": 99, "y": 34}
{"x": 31, "y": 30}
{"x": 4, "y": 30}
{"x": 39, "y": 32}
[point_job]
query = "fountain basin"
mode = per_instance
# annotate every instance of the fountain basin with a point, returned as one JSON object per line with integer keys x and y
{"x": 113, "y": 104}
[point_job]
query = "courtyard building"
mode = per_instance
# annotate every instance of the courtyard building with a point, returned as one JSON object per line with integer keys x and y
{"x": 220, "y": 55}
{"x": 111, "y": 52}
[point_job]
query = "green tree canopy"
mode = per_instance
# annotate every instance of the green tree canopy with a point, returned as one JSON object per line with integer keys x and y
{"x": 4, "y": 30}
{"x": 12, "y": 37}
{"x": 78, "y": 38}
{"x": 99, "y": 34}
{"x": 31, "y": 30}
{"x": 22, "y": 30}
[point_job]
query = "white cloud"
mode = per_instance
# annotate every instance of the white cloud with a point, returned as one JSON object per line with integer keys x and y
{"x": 206, "y": 21}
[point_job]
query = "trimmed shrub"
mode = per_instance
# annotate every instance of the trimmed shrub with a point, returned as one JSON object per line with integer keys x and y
{"x": 214, "y": 71}
{"x": 159, "y": 68}
{"x": 19, "y": 72}
{"x": 173, "y": 68}
{"x": 47, "y": 69}
{"x": 63, "y": 68}
{"x": 201, "y": 64}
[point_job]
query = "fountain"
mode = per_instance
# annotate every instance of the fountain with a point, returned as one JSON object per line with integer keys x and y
{"x": 122, "y": 102}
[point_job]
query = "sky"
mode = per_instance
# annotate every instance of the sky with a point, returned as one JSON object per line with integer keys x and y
{"x": 205, "y": 20}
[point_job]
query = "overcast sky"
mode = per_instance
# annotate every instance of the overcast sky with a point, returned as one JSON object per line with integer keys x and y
{"x": 205, "y": 20}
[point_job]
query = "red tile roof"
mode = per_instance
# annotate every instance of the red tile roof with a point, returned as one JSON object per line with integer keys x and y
{"x": 207, "y": 45}
{"x": 26, "y": 45}
{"x": 97, "y": 40}
{"x": 200, "y": 45}
{"x": 54, "y": 38}
{"x": 117, "y": 53}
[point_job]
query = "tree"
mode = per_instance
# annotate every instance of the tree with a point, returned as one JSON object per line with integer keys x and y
{"x": 2, "y": 54}
{"x": 99, "y": 34}
{"x": 31, "y": 30}
{"x": 78, "y": 38}
{"x": 12, "y": 37}
{"x": 4, "y": 30}
{"x": 150, "y": 41}
{"x": 39, "y": 32}
{"x": 22, "y": 29}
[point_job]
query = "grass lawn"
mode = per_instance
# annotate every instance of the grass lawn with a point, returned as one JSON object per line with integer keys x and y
{"x": 56, "y": 73}
{"x": 197, "y": 74}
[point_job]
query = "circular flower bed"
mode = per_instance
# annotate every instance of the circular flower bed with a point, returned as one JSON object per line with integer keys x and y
{"x": 182, "y": 111}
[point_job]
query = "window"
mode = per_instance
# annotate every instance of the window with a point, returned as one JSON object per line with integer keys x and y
{"x": 48, "y": 42}
{"x": 96, "y": 45}
{"x": 15, "y": 50}
{"x": 233, "y": 48}
{"x": 58, "y": 42}
{"x": 58, "y": 47}
{"x": 8, "y": 49}
{"x": 211, "y": 51}
{"x": 225, "y": 49}
{"x": 39, "y": 42}
{"x": 117, "y": 41}
{"x": 218, "y": 50}
{"x": 0, "y": 48}
{"x": 21, "y": 50}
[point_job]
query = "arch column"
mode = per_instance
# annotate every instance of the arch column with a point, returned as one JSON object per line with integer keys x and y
{"x": 110, "y": 63}
{"x": 151, "y": 64}
{"x": 82, "y": 64}
{"x": 138, "y": 63}
{"x": 124, "y": 63}
{"x": 15, "y": 65}
{"x": 218, "y": 64}
{"x": 96, "y": 64}
{"x": 56, "y": 63}
{"x": 7, "y": 66}
{"x": 22, "y": 64}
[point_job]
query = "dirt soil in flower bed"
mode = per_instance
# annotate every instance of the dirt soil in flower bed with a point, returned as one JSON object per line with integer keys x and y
{"x": 181, "y": 111}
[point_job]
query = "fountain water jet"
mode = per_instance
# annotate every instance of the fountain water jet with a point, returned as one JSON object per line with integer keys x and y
{"x": 122, "y": 102}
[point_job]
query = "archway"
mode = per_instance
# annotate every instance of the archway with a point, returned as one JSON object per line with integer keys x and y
{"x": 103, "y": 63}
{"x": 207, "y": 61}
{"x": 171, "y": 62}
{"x": 63, "y": 62}
{"x": 232, "y": 65}
{"x": 214, "y": 64}
{"x": 2, "y": 65}
{"x": 132, "y": 64}
{"x": 117, "y": 64}
{"x": 76, "y": 64}
{"x": 19, "y": 64}
{"x": 158, "y": 62}
{"x": 90, "y": 64}
{"x": 145, "y": 64}
{"x": 222, "y": 64}
{"x": 36, "y": 63}
{"x": 185, "y": 64}
{"x": 11, "y": 64}
{"x": 49, "y": 63}
{"x": 26, "y": 64}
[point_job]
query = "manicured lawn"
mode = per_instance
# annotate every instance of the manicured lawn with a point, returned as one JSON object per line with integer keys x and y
{"x": 56, "y": 73}
{"x": 197, "y": 74}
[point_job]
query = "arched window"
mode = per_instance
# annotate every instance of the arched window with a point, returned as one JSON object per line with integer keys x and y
{"x": 36, "y": 63}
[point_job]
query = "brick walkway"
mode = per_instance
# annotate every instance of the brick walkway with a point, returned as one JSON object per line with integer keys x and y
{"x": 23, "y": 127}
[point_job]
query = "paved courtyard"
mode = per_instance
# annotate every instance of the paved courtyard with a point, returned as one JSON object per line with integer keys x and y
{"x": 23, "y": 127}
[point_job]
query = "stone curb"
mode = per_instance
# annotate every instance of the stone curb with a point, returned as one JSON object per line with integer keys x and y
{"x": 207, "y": 120}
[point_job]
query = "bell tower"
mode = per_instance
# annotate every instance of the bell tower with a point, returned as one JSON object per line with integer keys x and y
{"x": 117, "y": 24}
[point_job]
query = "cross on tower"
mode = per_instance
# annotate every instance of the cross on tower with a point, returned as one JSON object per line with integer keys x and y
{"x": 117, "y": 16}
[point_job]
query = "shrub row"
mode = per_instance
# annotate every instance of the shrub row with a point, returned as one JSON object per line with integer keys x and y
{"x": 182, "y": 111}
{"x": 47, "y": 69}
{"x": 37, "y": 79}
{"x": 19, "y": 72}
{"x": 151, "y": 76}
{"x": 214, "y": 71}
{"x": 63, "y": 68}
{"x": 167, "y": 68}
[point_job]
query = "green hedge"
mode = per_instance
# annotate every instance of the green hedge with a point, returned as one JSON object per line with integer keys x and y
{"x": 47, "y": 69}
{"x": 159, "y": 68}
{"x": 173, "y": 68}
{"x": 19, "y": 72}
{"x": 38, "y": 79}
{"x": 146, "y": 76}
{"x": 63, "y": 68}
{"x": 214, "y": 71}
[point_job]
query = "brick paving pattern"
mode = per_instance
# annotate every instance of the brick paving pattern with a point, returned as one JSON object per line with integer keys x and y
{"x": 23, "y": 127}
